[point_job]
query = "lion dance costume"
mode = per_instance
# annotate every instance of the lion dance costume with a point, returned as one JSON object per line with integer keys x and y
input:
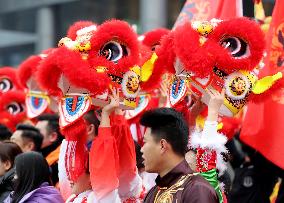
{"x": 12, "y": 99}
{"x": 90, "y": 60}
{"x": 217, "y": 54}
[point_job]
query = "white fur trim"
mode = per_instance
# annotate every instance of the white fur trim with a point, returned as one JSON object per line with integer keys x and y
{"x": 220, "y": 164}
{"x": 215, "y": 22}
{"x": 195, "y": 24}
{"x": 210, "y": 139}
{"x": 86, "y": 30}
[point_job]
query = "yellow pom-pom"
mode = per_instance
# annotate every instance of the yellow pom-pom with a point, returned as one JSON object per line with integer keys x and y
{"x": 204, "y": 28}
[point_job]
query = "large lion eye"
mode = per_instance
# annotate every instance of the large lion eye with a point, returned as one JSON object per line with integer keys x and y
{"x": 236, "y": 46}
{"x": 154, "y": 46}
{"x": 15, "y": 108}
{"x": 113, "y": 51}
{"x": 5, "y": 85}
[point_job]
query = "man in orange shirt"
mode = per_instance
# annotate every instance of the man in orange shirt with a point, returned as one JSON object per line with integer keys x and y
{"x": 49, "y": 127}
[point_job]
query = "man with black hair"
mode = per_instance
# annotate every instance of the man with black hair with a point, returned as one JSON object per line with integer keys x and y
{"x": 5, "y": 133}
{"x": 164, "y": 149}
{"x": 27, "y": 137}
{"x": 48, "y": 125}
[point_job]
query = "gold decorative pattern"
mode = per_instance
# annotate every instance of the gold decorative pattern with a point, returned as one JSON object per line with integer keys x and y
{"x": 165, "y": 195}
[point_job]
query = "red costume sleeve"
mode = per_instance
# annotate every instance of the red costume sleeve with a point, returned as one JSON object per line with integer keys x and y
{"x": 130, "y": 185}
{"x": 104, "y": 163}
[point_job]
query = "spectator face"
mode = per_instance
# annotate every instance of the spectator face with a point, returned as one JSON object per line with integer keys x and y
{"x": 25, "y": 144}
{"x": 48, "y": 137}
{"x": 4, "y": 167}
{"x": 8, "y": 152}
{"x": 152, "y": 152}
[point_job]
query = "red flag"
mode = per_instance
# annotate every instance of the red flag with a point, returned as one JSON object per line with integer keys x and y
{"x": 263, "y": 126}
{"x": 207, "y": 9}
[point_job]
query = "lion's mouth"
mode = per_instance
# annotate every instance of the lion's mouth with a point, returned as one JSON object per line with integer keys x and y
{"x": 72, "y": 107}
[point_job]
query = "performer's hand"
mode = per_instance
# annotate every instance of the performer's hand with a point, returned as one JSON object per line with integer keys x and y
{"x": 196, "y": 107}
{"x": 114, "y": 102}
{"x": 163, "y": 93}
{"x": 215, "y": 103}
{"x": 108, "y": 109}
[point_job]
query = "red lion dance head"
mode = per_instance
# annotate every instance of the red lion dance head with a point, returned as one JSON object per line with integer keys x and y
{"x": 80, "y": 72}
{"x": 152, "y": 39}
{"x": 37, "y": 100}
{"x": 12, "y": 106}
{"x": 8, "y": 80}
{"x": 220, "y": 54}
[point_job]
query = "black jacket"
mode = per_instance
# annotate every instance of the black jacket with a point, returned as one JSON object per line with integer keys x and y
{"x": 6, "y": 184}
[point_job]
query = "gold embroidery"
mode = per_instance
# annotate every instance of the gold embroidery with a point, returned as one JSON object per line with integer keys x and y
{"x": 166, "y": 196}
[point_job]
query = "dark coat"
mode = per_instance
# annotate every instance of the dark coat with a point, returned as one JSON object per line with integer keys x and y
{"x": 6, "y": 184}
{"x": 182, "y": 186}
